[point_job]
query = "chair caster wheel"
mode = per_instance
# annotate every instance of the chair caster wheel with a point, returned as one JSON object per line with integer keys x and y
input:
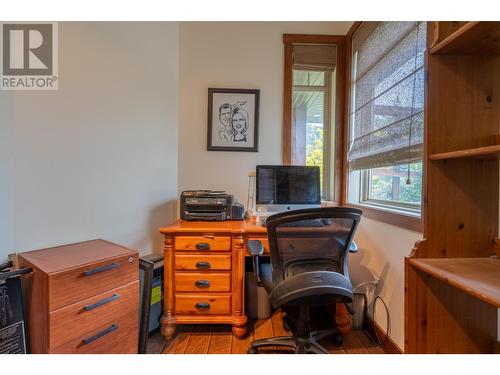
{"x": 337, "y": 339}
{"x": 251, "y": 350}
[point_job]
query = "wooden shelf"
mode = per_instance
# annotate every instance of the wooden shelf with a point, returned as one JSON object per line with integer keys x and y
{"x": 487, "y": 152}
{"x": 472, "y": 38}
{"x": 479, "y": 277}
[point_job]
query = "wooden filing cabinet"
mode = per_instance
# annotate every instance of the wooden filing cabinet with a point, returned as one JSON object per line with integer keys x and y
{"x": 83, "y": 298}
{"x": 204, "y": 265}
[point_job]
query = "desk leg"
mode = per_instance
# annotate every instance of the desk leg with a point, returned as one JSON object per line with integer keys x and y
{"x": 168, "y": 319}
{"x": 239, "y": 319}
{"x": 342, "y": 319}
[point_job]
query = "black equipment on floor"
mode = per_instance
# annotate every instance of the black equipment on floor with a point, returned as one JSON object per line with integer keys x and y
{"x": 13, "y": 337}
{"x": 151, "y": 302}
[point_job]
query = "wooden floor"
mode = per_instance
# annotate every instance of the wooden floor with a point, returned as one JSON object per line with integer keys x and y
{"x": 218, "y": 339}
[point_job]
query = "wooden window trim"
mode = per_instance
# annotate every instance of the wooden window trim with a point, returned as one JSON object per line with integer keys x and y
{"x": 393, "y": 218}
{"x": 340, "y": 42}
{"x": 403, "y": 221}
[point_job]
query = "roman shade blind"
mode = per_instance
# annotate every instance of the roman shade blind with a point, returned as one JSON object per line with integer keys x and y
{"x": 314, "y": 56}
{"x": 387, "y": 94}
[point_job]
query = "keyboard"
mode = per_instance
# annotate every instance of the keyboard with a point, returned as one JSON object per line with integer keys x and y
{"x": 301, "y": 223}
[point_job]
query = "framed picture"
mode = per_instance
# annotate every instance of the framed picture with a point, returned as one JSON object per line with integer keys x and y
{"x": 233, "y": 120}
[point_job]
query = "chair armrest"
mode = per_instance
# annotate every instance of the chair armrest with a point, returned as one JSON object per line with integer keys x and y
{"x": 256, "y": 249}
{"x": 353, "y": 248}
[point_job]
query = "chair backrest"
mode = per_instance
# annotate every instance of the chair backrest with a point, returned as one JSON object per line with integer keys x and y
{"x": 311, "y": 240}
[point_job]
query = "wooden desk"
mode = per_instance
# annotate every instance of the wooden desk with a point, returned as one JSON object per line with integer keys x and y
{"x": 204, "y": 278}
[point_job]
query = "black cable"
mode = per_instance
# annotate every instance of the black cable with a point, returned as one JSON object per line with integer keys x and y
{"x": 388, "y": 328}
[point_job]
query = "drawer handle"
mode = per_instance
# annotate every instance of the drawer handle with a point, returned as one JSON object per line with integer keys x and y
{"x": 202, "y": 305}
{"x": 203, "y": 265}
{"x": 111, "y": 328}
{"x": 101, "y": 302}
{"x": 202, "y": 283}
{"x": 101, "y": 269}
{"x": 202, "y": 246}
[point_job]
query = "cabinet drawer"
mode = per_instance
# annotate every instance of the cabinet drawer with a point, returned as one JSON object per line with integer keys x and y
{"x": 128, "y": 345}
{"x": 265, "y": 243}
{"x": 202, "y": 282}
{"x": 80, "y": 318}
{"x": 102, "y": 338}
{"x": 202, "y": 244}
{"x": 217, "y": 262}
{"x": 202, "y": 304}
{"x": 70, "y": 286}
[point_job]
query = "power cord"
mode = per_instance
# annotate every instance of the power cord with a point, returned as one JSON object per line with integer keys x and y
{"x": 377, "y": 297}
{"x": 388, "y": 328}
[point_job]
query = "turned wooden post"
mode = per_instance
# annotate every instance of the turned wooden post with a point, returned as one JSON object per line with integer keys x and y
{"x": 168, "y": 319}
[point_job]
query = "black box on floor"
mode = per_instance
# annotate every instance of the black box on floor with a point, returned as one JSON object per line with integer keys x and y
{"x": 12, "y": 323}
{"x": 151, "y": 302}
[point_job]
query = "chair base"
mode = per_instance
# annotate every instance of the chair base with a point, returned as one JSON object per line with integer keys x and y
{"x": 308, "y": 345}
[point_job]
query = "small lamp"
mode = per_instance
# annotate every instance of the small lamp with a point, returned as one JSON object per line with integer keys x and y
{"x": 249, "y": 214}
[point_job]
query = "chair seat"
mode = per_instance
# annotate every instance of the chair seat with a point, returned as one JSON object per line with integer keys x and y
{"x": 313, "y": 289}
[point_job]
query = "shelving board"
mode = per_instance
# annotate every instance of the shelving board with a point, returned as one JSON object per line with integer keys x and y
{"x": 471, "y": 39}
{"x": 479, "y": 277}
{"x": 487, "y": 152}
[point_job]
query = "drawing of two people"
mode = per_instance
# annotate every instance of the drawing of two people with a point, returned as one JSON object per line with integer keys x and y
{"x": 234, "y": 122}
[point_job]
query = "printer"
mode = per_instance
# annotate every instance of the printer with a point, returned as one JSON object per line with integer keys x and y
{"x": 209, "y": 205}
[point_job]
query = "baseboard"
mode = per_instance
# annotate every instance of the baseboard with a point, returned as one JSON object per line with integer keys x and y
{"x": 390, "y": 346}
{"x": 496, "y": 347}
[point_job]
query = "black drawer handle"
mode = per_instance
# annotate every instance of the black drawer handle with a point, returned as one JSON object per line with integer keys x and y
{"x": 203, "y": 265}
{"x": 111, "y": 328}
{"x": 101, "y": 269}
{"x": 202, "y": 305}
{"x": 202, "y": 283}
{"x": 202, "y": 246}
{"x": 101, "y": 302}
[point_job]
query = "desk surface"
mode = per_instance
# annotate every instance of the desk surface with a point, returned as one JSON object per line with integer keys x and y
{"x": 237, "y": 226}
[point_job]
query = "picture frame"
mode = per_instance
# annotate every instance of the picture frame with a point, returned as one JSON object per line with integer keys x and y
{"x": 233, "y": 119}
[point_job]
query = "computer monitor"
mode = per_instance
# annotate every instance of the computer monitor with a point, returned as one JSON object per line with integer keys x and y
{"x": 281, "y": 188}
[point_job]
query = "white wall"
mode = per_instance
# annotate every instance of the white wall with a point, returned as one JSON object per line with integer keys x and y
{"x": 98, "y": 157}
{"x": 233, "y": 55}
{"x": 382, "y": 249}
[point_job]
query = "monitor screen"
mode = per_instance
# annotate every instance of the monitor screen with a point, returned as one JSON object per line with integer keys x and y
{"x": 279, "y": 184}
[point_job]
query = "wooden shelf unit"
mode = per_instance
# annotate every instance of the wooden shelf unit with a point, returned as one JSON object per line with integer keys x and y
{"x": 487, "y": 152}
{"x": 480, "y": 277}
{"x": 470, "y": 38}
{"x": 450, "y": 306}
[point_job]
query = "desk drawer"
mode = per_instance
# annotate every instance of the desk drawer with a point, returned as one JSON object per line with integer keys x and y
{"x": 105, "y": 338}
{"x": 202, "y": 282}
{"x": 265, "y": 243}
{"x": 80, "y": 318}
{"x": 202, "y": 243}
{"x": 203, "y": 304}
{"x": 68, "y": 287}
{"x": 217, "y": 262}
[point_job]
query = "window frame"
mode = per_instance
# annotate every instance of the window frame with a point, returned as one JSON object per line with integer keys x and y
{"x": 389, "y": 214}
{"x": 337, "y": 157}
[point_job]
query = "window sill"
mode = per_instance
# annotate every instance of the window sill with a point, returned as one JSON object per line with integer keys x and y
{"x": 406, "y": 221}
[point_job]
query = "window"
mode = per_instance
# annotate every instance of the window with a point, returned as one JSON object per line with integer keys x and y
{"x": 310, "y": 106}
{"x": 386, "y": 116}
{"x": 311, "y": 122}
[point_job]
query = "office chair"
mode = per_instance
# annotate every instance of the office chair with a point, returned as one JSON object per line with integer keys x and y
{"x": 308, "y": 269}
